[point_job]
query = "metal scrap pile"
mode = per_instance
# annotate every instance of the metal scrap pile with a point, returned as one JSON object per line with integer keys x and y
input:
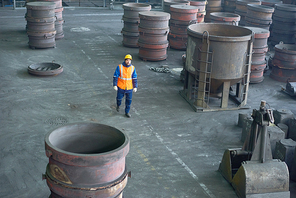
{"x": 162, "y": 69}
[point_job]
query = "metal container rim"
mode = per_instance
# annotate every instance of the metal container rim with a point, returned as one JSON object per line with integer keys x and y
{"x": 245, "y": 37}
{"x": 46, "y": 139}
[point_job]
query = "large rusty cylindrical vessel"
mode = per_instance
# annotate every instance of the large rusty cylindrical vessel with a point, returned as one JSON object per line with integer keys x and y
{"x": 40, "y": 9}
{"x": 242, "y": 9}
{"x": 41, "y": 19}
{"x": 230, "y": 44}
{"x": 284, "y": 26}
{"x": 131, "y": 10}
{"x": 167, "y": 4}
{"x": 271, "y": 3}
{"x": 260, "y": 48}
{"x": 259, "y": 16}
{"x": 154, "y": 29}
{"x": 181, "y": 17}
{"x": 201, "y": 5}
{"x": 284, "y": 63}
{"x": 58, "y": 16}
{"x": 229, "y": 6}
{"x": 131, "y": 19}
{"x": 225, "y": 17}
{"x": 86, "y": 160}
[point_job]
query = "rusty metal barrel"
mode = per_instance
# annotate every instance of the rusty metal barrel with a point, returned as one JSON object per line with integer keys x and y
{"x": 86, "y": 160}
{"x": 242, "y": 9}
{"x": 225, "y": 17}
{"x": 58, "y": 15}
{"x": 131, "y": 21}
{"x": 181, "y": 17}
{"x": 227, "y": 42}
{"x": 260, "y": 49}
{"x": 259, "y": 16}
{"x": 153, "y": 28}
{"x": 213, "y": 6}
{"x": 41, "y": 19}
{"x": 201, "y": 5}
{"x": 284, "y": 63}
{"x": 167, "y": 4}
{"x": 229, "y": 6}
{"x": 284, "y": 26}
{"x": 271, "y": 3}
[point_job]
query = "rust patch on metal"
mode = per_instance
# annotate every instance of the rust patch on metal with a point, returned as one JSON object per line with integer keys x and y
{"x": 59, "y": 174}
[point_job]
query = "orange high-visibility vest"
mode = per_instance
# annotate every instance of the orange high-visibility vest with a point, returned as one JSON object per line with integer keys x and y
{"x": 125, "y": 77}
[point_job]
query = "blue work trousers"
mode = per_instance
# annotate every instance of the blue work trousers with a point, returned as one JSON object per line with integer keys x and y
{"x": 128, "y": 98}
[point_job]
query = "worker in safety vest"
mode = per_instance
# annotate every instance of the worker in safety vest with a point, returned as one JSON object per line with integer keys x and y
{"x": 125, "y": 83}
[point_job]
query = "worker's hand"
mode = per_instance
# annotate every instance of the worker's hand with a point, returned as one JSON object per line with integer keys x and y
{"x": 115, "y": 88}
{"x": 135, "y": 90}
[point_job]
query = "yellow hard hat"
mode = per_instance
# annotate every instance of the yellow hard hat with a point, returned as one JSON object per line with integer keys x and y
{"x": 128, "y": 56}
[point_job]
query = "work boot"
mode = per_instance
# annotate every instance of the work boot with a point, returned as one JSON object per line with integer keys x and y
{"x": 128, "y": 115}
{"x": 117, "y": 108}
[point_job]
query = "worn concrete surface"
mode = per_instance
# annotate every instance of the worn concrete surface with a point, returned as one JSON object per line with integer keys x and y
{"x": 175, "y": 152}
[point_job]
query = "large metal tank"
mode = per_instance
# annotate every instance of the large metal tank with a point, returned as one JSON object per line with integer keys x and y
{"x": 230, "y": 47}
{"x": 86, "y": 160}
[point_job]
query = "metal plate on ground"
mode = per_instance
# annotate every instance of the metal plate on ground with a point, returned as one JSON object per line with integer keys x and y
{"x": 45, "y": 69}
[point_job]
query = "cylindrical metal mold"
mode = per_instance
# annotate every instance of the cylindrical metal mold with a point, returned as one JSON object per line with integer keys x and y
{"x": 271, "y": 3}
{"x": 40, "y": 20}
{"x": 130, "y": 27}
{"x": 214, "y": 3}
{"x": 282, "y": 36}
{"x": 285, "y": 56}
{"x": 283, "y": 74}
{"x": 201, "y": 5}
{"x": 154, "y": 28}
{"x": 40, "y": 9}
{"x": 153, "y": 52}
{"x": 241, "y": 5}
{"x": 131, "y": 10}
{"x": 178, "y": 29}
{"x": 285, "y": 11}
{"x": 167, "y": 4}
{"x": 130, "y": 39}
{"x": 261, "y": 36}
{"x": 154, "y": 19}
{"x": 58, "y": 3}
{"x": 230, "y": 45}
{"x": 210, "y": 10}
{"x": 40, "y": 27}
{"x": 289, "y": 26}
{"x": 86, "y": 160}
{"x": 284, "y": 63}
{"x": 153, "y": 36}
{"x": 178, "y": 41}
{"x": 184, "y": 12}
{"x": 225, "y": 17}
{"x": 260, "y": 11}
{"x": 255, "y": 22}
{"x": 258, "y": 58}
{"x": 256, "y": 76}
{"x": 59, "y": 29}
{"x": 59, "y": 13}
{"x": 229, "y": 5}
{"x": 130, "y": 32}
{"x": 41, "y": 41}
{"x": 242, "y": 9}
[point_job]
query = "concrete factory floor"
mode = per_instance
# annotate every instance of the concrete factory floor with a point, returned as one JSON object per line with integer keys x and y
{"x": 174, "y": 151}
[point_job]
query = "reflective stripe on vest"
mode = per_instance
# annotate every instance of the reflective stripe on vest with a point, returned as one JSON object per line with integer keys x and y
{"x": 125, "y": 77}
